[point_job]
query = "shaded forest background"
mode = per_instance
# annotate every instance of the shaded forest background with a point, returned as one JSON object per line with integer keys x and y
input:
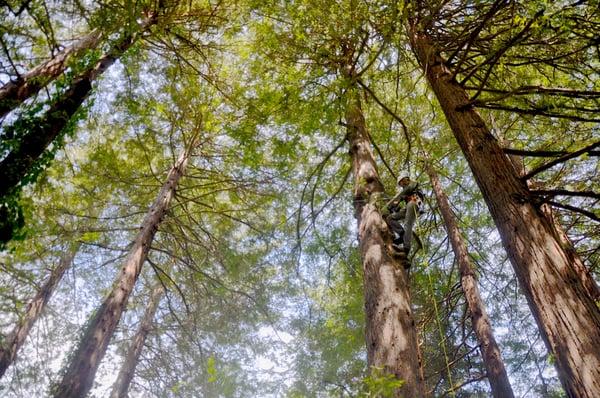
{"x": 251, "y": 281}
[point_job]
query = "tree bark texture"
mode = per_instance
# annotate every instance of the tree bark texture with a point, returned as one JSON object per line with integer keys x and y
{"x": 548, "y": 274}
{"x": 16, "y": 338}
{"x": 43, "y": 131}
{"x": 584, "y": 273}
{"x": 79, "y": 375}
{"x": 121, "y": 386}
{"x": 14, "y": 93}
{"x": 390, "y": 328}
{"x": 480, "y": 321}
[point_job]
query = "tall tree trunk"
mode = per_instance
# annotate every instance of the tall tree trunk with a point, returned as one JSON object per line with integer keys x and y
{"x": 14, "y": 93}
{"x": 121, "y": 386}
{"x": 548, "y": 274}
{"x": 40, "y": 132}
{"x": 480, "y": 321}
{"x": 79, "y": 375}
{"x": 390, "y": 328}
{"x": 584, "y": 273}
{"x": 16, "y": 338}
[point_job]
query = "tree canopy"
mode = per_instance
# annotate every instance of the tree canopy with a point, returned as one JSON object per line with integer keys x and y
{"x": 242, "y": 154}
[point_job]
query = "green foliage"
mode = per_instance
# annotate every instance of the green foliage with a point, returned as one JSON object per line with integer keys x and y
{"x": 12, "y": 220}
{"x": 211, "y": 370}
{"x": 380, "y": 384}
{"x": 261, "y": 240}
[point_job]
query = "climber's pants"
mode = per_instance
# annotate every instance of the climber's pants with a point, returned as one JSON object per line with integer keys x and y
{"x": 409, "y": 214}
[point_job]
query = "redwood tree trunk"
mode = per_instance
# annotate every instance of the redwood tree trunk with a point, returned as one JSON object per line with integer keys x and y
{"x": 480, "y": 321}
{"x": 40, "y": 132}
{"x": 121, "y": 386}
{"x": 14, "y": 93}
{"x": 549, "y": 276}
{"x": 16, "y": 338}
{"x": 79, "y": 375}
{"x": 390, "y": 328}
{"x": 584, "y": 273}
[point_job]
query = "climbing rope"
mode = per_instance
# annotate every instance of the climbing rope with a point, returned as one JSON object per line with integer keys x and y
{"x": 441, "y": 333}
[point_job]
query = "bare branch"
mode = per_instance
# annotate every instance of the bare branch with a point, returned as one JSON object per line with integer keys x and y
{"x": 158, "y": 271}
{"x": 534, "y": 112}
{"x": 526, "y": 90}
{"x": 315, "y": 171}
{"x": 452, "y": 390}
{"x": 562, "y": 159}
{"x": 390, "y": 112}
{"x": 498, "y": 4}
{"x": 492, "y": 59}
{"x": 565, "y": 192}
{"x": 575, "y": 209}
{"x": 542, "y": 154}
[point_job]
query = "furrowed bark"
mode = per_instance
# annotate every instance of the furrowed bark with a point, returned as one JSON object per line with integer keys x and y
{"x": 43, "y": 131}
{"x": 390, "y": 328}
{"x": 16, "y": 338}
{"x": 121, "y": 386}
{"x": 549, "y": 275}
{"x": 79, "y": 375}
{"x": 584, "y": 273}
{"x": 480, "y": 321}
{"x": 14, "y": 93}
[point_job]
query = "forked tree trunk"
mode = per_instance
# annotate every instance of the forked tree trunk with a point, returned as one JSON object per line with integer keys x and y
{"x": 121, "y": 386}
{"x": 14, "y": 93}
{"x": 549, "y": 276}
{"x": 16, "y": 338}
{"x": 480, "y": 321}
{"x": 41, "y": 131}
{"x": 79, "y": 375}
{"x": 390, "y": 328}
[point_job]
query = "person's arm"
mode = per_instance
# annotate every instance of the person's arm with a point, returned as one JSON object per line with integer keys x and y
{"x": 407, "y": 190}
{"x": 393, "y": 202}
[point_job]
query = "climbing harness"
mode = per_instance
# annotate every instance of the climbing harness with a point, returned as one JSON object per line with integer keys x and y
{"x": 415, "y": 197}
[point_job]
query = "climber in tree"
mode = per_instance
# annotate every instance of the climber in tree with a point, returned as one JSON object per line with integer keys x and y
{"x": 402, "y": 219}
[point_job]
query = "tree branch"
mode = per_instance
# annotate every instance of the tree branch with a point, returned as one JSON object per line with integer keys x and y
{"x": 498, "y": 5}
{"x": 381, "y": 156}
{"x": 542, "y": 154}
{"x": 562, "y": 159}
{"x": 452, "y": 390}
{"x": 390, "y": 112}
{"x": 158, "y": 271}
{"x": 534, "y": 112}
{"x": 565, "y": 192}
{"x": 492, "y": 59}
{"x": 575, "y": 209}
{"x": 525, "y": 90}
{"x": 314, "y": 172}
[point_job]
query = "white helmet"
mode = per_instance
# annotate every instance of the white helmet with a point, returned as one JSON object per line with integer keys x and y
{"x": 402, "y": 178}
